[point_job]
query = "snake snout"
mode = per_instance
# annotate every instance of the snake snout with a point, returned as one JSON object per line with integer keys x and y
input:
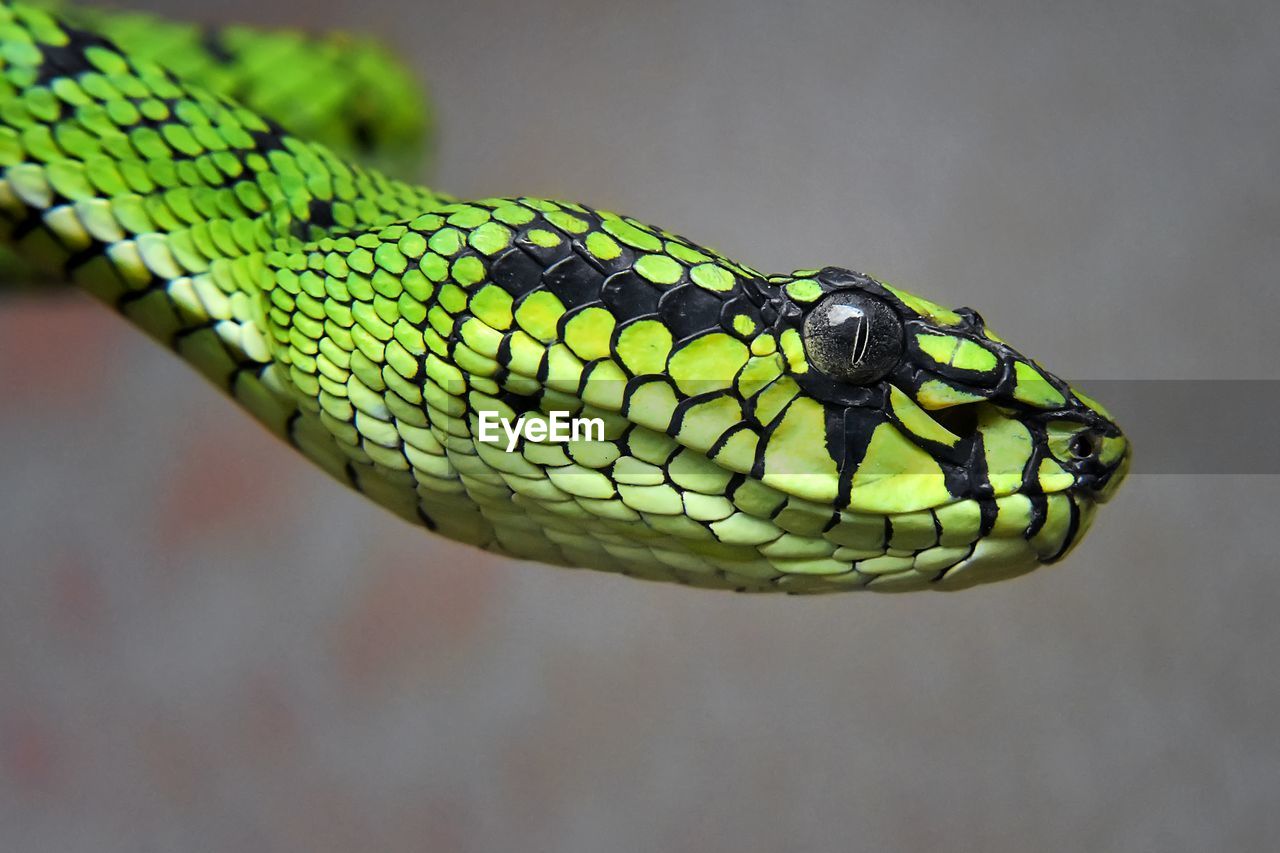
{"x": 1110, "y": 474}
{"x": 1098, "y": 458}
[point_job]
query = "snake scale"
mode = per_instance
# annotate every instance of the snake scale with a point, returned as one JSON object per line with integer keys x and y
{"x": 816, "y": 431}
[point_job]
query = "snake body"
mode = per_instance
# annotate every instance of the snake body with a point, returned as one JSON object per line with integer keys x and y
{"x": 810, "y": 432}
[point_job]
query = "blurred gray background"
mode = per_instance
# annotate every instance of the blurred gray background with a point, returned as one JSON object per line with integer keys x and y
{"x": 207, "y": 645}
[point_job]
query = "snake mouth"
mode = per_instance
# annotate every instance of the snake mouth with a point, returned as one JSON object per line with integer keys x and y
{"x": 1007, "y": 551}
{"x": 1057, "y": 524}
{"x": 1084, "y": 507}
{"x": 1020, "y": 533}
{"x": 1107, "y": 485}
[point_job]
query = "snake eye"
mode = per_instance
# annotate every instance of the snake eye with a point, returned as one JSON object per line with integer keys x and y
{"x": 853, "y": 337}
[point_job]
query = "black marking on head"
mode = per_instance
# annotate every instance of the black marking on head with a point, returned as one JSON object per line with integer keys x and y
{"x": 960, "y": 421}
{"x": 546, "y": 255}
{"x": 832, "y": 522}
{"x": 1031, "y": 471}
{"x": 857, "y": 425}
{"x": 689, "y": 310}
{"x": 516, "y": 273}
{"x": 839, "y": 278}
{"x": 769, "y": 315}
{"x": 731, "y": 488}
{"x": 629, "y": 296}
{"x": 623, "y": 261}
{"x": 70, "y": 59}
{"x": 1039, "y": 514}
{"x": 836, "y": 434}
{"x": 955, "y": 476}
{"x": 1073, "y": 530}
{"x": 822, "y": 387}
{"x": 574, "y": 281}
{"x": 973, "y": 319}
{"x": 987, "y": 512}
{"x": 978, "y": 475}
{"x": 756, "y": 290}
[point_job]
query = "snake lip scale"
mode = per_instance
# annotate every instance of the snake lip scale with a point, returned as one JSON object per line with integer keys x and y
{"x": 823, "y": 430}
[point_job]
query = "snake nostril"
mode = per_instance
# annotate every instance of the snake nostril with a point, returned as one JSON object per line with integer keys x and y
{"x": 1083, "y": 446}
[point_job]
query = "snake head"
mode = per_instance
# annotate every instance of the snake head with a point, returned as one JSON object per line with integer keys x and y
{"x": 927, "y": 409}
{"x": 814, "y": 432}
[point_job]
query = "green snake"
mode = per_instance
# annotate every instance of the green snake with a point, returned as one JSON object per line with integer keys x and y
{"x": 816, "y": 431}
